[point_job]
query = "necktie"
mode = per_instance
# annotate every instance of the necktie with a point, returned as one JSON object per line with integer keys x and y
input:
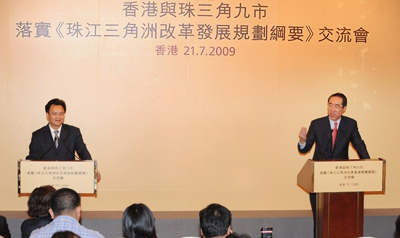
{"x": 56, "y": 138}
{"x": 334, "y": 133}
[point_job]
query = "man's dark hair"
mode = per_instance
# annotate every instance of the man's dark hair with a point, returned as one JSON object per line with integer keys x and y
{"x": 341, "y": 95}
{"x": 39, "y": 201}
{"x": 215, "y": 220}
{"x": 64, "y": 201}
{"x": 55, "y": 101}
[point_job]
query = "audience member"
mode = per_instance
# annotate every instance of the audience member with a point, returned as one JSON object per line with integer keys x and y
{"x": 38, "y": 210}
{"x": 4, "y": 231}
{"x": 215, "y": 221}
{"x": 236, "y": 235}
{"x": 65, "y": 234}
{"x": 66, "y": 212}
{"x": 138, "y": 222}
{"x": 233, "y": 235}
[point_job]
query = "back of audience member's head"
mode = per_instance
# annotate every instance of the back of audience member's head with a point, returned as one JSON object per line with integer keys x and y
{"x": 65, "y": 234}
{"x": 215, "y": 220}
{"x": 64, "y": 201}
{"x": 236, "y": 235}
{"x": 233, "y": 235}
{"x": 39, "y": 202}
{"x": 138, "y": 222}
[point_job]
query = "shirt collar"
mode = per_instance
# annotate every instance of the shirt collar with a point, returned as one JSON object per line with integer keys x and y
{"x": 333, "y": 122}
{"x": 52, "y": 131}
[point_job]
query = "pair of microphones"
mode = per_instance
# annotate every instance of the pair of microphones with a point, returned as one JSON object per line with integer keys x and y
{"x": 53, "y": 146}
{"x": 347, "y": 138}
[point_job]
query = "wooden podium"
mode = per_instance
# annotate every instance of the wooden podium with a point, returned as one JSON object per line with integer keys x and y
{"x": 340, "y": 187}
{"x": 78, "y": 175}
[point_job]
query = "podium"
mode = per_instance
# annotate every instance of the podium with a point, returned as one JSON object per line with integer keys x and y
{"x": 80, "y": 176}
{"x": 339, "y": 186}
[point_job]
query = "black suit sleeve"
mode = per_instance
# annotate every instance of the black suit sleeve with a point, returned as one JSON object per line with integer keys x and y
{"x": 311, "y": 137}
{"x": 358, "y": 142}
{"x": 34, "y": 149}
{"x": 80, "y": 147}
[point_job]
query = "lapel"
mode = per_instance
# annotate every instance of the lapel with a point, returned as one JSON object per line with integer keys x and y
{"x": 341, "y": 143}
{"x": 327, "y": 128}
{"x": 63, "y": 137}
{"x": 48, "y": 136}
{"x": 325, "y": 139}
{"x": 342, "y": 128}
{"x": 64, "y": 133}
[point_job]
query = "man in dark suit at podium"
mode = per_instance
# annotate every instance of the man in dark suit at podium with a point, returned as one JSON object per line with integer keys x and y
{"x": 56, "y": 140}
{"x": 331, "y": 135}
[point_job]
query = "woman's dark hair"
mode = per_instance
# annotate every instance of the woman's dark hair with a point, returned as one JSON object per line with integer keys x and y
{"x": 39, "y": 202}
{"x": 138, "y": 222}
{"x": 65, "y": 234}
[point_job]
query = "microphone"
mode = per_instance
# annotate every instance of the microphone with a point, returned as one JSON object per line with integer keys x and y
{"x": 329, "y": 141}
{"x": 54, "y": 143}
{"x": 70, "y": 150}
{"x": 358, "y": 151}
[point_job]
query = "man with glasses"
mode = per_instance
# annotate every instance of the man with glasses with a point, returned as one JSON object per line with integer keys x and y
{"x": 332, "y": 135}
{"x": 56, "y": 140}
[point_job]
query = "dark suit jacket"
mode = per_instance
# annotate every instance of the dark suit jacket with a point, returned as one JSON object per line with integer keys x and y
{"x": 30, "y": 225}
{"x": 320, "y": 133}
{"x": 4, "y": 231}
{"x": 70, "y": 141}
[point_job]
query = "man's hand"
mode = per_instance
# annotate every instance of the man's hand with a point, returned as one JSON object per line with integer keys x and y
{"x": 303, "y": 135}
{"x": 98, "y": 177}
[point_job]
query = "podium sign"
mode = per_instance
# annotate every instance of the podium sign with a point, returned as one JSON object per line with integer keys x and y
{"x": 77, "y": 175}
{"x": 349, "y": 176}
{"x": 365, "y": 175}
{"x": 339, "y": 186}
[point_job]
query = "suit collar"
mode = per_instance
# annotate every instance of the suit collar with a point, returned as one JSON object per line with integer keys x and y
{"x": 327, "y": 126}
{"x": 64, "y": 135}
{"x": 48, "y": 135}
{"x": 65, "y": 132}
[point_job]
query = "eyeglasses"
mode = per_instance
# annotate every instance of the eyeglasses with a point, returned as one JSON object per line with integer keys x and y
{"x": 57, "y": 113}
{"x": 334, "y": 106}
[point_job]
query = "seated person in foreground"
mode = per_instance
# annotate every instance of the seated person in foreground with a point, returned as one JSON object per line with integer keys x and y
{"x": 138, "y": 221}
{"x": 215, "y": 221}
{"x": 236, "y": 235}
{"x": 66, "y": 213}
{"x": 38, "y": 210}
{"x": 4, "y": 231}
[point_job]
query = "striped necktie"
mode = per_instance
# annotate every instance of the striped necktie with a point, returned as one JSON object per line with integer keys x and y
{"x": 56, "y": 138}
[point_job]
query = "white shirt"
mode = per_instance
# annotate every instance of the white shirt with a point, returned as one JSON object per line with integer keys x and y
{"x": 54, "y": 134}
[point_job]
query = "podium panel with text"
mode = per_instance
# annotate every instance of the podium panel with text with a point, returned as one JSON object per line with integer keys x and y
{"x": 340, "y": 187}
{"x": 78, "y": 175}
